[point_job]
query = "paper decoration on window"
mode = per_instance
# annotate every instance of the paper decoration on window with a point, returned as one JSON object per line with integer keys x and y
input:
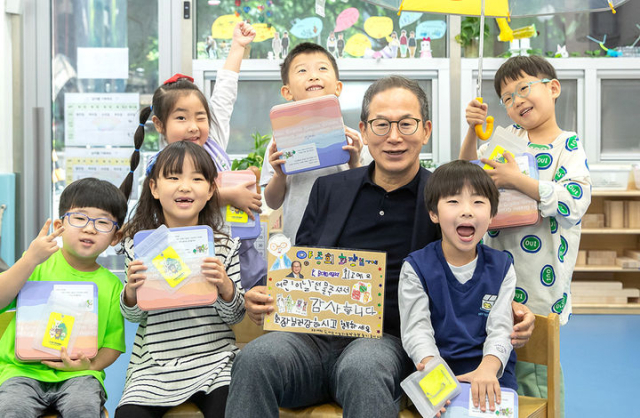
{"x": 346, "y": 19}
{"x": 434, "y": 29}
{"x": 306, "y": 28}
{"x": 407, "y": 18}
{"x": 326, "y": 291}
{"x": 264, "y": 31}
{"x": 378, "y": 26}
{"x": 223, "y": 26}
{"x": 357, "y": 44}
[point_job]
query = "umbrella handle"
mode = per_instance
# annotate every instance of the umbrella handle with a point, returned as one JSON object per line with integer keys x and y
{"x": 484, "y": 134}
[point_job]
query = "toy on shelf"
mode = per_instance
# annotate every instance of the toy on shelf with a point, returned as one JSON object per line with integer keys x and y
{"x": 610, "y": 52}
{"x": 519, "y": 38}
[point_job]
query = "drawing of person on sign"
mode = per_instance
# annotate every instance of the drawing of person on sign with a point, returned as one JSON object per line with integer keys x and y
{"x": 278, "y": 246}
{"x": 296, "y": 266}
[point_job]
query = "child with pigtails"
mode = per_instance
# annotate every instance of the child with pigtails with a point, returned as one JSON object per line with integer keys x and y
{"x": 181, "y": 113}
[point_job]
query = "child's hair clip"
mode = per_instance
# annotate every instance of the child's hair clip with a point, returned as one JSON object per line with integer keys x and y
{"x": 177, "y": 77}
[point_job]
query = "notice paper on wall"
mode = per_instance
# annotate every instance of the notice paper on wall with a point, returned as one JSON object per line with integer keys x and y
{"x": 110, "y": 164}
{"x": 103, "y": 63}
{"x": 328, "y": 291}
{"x": 100, "y": 118}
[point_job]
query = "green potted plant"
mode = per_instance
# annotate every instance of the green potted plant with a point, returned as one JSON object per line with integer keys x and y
{"x": 469, "y": 35}
{"x": 255, "y": 157}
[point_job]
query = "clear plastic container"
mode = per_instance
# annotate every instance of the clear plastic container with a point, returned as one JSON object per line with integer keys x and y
{"x": 610, "y": 177}
{"x": 431, "y": 388}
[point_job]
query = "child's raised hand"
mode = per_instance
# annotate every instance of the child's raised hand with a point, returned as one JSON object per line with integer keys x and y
{"x": 66, "y": 364}
{"x": 354, "y": 147}
{"x": 243, "y": 34}
{"x": 215, "y": 273}
{"x": 247, "y": 200}
{"x": 135, "y": 279}
{"x": 274, "y": 159}
{"x": 484, "y": 384}
{"x": 44, "y": 245}
{"x": 504, "y": 174}
{"x": 476, "y": 113}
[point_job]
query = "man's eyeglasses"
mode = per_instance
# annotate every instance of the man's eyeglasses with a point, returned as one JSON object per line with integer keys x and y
{"x": 406, "y": 126}
{"x": 80, "y": 220}
{"x": 522, "y": 90}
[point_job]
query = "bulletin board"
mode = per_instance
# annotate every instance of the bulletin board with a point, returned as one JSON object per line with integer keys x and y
{"x": 336, "y": 292}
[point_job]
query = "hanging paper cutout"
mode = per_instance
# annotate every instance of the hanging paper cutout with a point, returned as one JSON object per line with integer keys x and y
{"x": 357, "y": 44}
{"x": 223, "y": 26}
{"x": 306, "y": 28}
{"x": 407, "y": 18}
{"x": 434, "y": 29}
{"x": 246, "y": 9}
{"x": 378, "y": 26}
{"x": 346, "y": 19}
{"x": 263, "y": 31}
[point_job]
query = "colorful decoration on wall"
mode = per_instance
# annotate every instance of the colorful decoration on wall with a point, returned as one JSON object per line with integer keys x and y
{"x": 357, "y": 45}
{"x": 407, "y": 18}
{"x": 378, "y": 26}
{"x": 434, "y": 29}
{"x": 264, "y": 31}
{"x": 223, "y": 26}
{"x": 306, "y": 28}
{"x": 346, "y": 19}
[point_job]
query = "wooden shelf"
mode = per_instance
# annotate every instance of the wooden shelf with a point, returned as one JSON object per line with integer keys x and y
{"x": 614, "y": 239}
{"x": 619, "y": 309}
{"x": 604, "y": 269}
{"x": 615, "y": 193}
{"x": 610, "y": 231}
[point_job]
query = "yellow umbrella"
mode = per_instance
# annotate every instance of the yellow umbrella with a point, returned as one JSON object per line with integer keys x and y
{"x": 498, "y": 9}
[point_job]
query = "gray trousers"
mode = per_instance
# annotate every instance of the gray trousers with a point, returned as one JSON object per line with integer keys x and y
{"x": 295, "y": 370}
{"x": 78, "y": 397}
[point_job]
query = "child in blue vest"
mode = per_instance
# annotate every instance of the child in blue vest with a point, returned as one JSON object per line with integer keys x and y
{"x": 455, "y": 294}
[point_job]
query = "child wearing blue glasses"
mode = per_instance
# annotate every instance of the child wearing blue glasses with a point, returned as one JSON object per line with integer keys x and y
{"x": 544, "y": 254}
{"x": 92, "y": 212}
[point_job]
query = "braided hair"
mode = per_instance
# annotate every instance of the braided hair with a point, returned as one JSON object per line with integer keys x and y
{"x": 164, "y": 100}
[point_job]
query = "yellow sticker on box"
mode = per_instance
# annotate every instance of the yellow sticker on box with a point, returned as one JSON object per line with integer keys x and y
{"x": 171, "y": 266}
{"x": 438, "y": 384}
{"x": 58, "y": 331}
{"x": 236, "y": 215}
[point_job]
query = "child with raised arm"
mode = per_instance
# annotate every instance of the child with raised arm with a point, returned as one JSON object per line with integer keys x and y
{"x": 455, "y": 294}
{"x": 308, "y": 71}
{"x": 184, "y": 353}
{"x": 544, "y": 255}
{"x": 92, "y": 212}
{"x": 181, "y": 113}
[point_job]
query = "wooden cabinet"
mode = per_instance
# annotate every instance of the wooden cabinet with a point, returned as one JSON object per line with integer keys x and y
{"x": 600, "y": 284}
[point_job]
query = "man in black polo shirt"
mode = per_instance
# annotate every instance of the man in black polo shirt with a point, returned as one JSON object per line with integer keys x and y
{"x": 379, "y": 207}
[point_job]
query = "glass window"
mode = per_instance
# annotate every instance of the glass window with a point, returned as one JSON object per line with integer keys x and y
{"x": 566, "y": 105}
{"x": 96, "y": 95}
{"x": 619, "y": 131}
{"x": 572, "y": 30}
{"x": 348, "y": 28}
{"x": 261, "y": 96}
